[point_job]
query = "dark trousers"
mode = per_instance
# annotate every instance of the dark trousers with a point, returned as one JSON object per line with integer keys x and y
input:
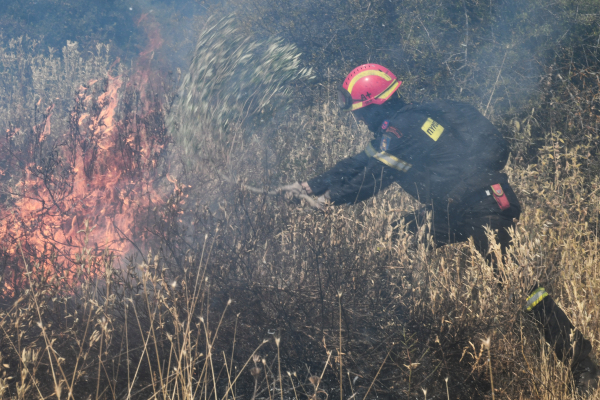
{"x": 456, "y": 222}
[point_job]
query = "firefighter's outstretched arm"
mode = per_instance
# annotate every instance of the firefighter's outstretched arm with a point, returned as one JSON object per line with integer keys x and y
{"x": 340, "y": 174}
{"x": 344, "y": 171}
{"x": 375, "y": 177}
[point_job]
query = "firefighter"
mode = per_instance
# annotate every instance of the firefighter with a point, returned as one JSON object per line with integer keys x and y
{"x": 448, "y": 156}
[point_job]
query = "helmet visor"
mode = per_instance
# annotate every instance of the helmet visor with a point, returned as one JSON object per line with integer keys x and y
{"x": 344, "y": 99}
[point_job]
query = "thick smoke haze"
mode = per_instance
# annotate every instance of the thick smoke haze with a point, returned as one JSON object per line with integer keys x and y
{"x": 121, "y": 24}
{"x": 147, "y": 247}
{"x": 492, "y": 54}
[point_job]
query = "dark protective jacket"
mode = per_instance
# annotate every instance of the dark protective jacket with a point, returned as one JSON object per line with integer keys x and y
{"x": 437, "y": 151}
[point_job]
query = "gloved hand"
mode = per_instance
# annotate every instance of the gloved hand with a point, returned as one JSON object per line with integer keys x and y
{"x": 302, "y": 190}
{"x": 321, "y": 201}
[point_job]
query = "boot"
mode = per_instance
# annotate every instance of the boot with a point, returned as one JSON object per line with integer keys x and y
{"x": 569, "y": 344}
{"x": 586, "y": 374}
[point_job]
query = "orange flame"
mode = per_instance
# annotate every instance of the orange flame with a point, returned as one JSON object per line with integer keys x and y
{"x": 99, "y": 186}
{"x": 88, "y": 188}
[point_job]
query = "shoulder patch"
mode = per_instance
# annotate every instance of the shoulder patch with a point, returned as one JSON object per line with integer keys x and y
{"x": 385, "y": 142}
{"x": 386, "y": 127}
{"x": 433, "y": 129}
{"x": 394, "y": 131}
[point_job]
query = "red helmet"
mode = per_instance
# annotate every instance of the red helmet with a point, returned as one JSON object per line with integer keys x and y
{"x": 367, "y": 84}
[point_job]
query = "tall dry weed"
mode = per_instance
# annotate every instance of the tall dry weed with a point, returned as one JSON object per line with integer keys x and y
{"x": 231, "y": 276}
{"x": 242, "y": 289}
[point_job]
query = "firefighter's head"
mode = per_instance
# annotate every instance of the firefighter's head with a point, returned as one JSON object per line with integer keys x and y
{"x": 365, "y": 89}
{"x": 365, "y": 85}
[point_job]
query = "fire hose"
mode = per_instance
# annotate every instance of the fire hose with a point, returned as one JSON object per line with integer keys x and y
{"x": 275, "y": 192}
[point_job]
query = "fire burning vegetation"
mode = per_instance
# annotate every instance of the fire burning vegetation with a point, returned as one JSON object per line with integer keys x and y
{"x": 90, "y": 186}
{"x": 89, "y": 183}
{"x": 135, "y": 264}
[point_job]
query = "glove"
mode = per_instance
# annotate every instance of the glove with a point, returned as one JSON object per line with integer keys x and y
{"x": 303, "y": 190}
{"x": 321, "y": 201}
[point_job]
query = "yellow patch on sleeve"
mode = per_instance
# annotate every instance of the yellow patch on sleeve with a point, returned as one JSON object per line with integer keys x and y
{"x": 432, "y": 129}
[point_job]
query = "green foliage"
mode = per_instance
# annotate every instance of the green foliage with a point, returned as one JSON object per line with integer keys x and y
{"x": 232, "y": 77}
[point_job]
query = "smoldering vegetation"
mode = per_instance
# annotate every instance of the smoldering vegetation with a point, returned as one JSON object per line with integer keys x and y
{"x": 227, "y": 292}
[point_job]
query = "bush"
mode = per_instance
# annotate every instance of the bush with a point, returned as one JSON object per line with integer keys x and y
{"x": 196, "y": 311}
{"x": 243, "y": 287}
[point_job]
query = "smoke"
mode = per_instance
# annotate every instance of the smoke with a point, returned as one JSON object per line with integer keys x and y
{"x": 178, "y": 23}
{"x": 114, "y": 23}
{"x": 490, "y": 54}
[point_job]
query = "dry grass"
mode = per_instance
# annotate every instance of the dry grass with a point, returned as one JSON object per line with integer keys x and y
{"x": 240, "y": 296}
{"x": 33, "y": 80}
{"x": 253, "y": 297}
